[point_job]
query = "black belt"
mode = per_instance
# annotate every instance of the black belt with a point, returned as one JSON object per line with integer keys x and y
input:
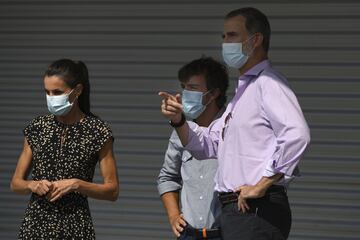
{"x": 228, "y": 197}
{"x": 202, "y": 233}
{"x": 231, "y": 197}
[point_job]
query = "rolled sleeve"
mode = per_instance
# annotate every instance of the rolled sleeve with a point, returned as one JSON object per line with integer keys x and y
{"x": 169, "y": 178}
{"x": 287, "y": 157}
{"x": 168, "y": 186}
{"x": 292, "y": 134}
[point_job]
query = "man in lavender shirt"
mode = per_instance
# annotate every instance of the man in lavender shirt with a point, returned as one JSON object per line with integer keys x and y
{"x": 259, "y": 139}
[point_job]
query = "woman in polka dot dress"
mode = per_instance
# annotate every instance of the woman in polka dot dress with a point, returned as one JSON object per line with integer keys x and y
{"x": 62, "y": 150}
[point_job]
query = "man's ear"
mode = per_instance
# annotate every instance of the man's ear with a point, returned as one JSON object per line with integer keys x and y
{"x": 258, "y": 40}
{"x": 215, "y": 93}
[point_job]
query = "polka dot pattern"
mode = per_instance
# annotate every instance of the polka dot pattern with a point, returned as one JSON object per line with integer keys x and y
{"x": 62, "y": 152}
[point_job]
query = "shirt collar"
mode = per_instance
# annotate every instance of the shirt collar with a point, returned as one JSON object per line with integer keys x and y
{"x": 254, "y": 71}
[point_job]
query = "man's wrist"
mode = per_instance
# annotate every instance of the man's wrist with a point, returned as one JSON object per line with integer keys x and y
{"x": 266, "y": 182}
{"x": 261, "y": 188}
{"x": 178, "y": 124}
{"x": 173, "y": 216}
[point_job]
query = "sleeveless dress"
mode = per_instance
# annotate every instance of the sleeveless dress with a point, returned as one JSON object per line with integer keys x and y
{"x": 62, "y": 152}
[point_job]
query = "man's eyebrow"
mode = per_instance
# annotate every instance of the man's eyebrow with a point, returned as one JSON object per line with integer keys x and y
{"x": 193, "y": 84}
{"x": 232, "y": 33}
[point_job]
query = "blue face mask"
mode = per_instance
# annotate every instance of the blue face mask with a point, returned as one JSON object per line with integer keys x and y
{"x": 192, "y": 102}
{"x": 59, "y": 105}
{"x": 234, "y": 55}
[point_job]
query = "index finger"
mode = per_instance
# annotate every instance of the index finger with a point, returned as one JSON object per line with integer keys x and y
{"x": 166, "y": 95}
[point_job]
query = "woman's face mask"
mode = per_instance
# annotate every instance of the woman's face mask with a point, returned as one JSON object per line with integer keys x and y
{"x": 59, "y": 105}
{"x": 192, "y": 102}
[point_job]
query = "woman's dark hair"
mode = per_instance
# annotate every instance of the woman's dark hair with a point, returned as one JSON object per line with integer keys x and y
{"x": 215, "y": 74}
{"x": 73, "y": 73}
{"x": 256, "y": 21}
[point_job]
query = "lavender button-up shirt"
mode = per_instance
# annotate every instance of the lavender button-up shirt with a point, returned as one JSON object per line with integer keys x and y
{"x": 262, "y": 132}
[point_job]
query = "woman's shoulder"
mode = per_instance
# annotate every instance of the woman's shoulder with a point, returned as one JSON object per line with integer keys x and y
{"x": 99, "y": 131}
{"x": 36, "y": 126}
{"x": 41, "y": 120}
{"x": 98, "y": 123}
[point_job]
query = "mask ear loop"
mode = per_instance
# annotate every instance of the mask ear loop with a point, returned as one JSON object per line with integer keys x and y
{"x": 202, "y": 97}
{"x": 76, "y": 96}
{"x": 70, "y": 92}
{"x": 248, "y": 54}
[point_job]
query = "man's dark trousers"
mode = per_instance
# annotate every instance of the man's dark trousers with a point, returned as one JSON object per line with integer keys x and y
{"x": 269, "y": 218}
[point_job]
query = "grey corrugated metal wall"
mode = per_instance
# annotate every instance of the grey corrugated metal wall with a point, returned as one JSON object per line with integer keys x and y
{"x": 134, "y": 49}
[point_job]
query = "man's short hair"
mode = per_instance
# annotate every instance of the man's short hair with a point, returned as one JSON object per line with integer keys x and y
{"x": 255, "y": 21}
{"x": 215, "y": 74}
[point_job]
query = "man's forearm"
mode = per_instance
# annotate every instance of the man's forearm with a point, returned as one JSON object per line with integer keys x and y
{"x": 266, "y": 182}
{"x": 171, "y": 203}
{"x": 176, "y": 220}
{"x": 183, "y": 133}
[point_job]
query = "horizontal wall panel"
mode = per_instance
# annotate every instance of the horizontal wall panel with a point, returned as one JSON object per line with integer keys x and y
{"x": 206, "y": 25}
{"x": 196, "y": 40}
{"x": 98, "y": 10}
{"x": 342, "y": 215}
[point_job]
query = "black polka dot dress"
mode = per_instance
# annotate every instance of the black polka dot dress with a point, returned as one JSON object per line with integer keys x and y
{"x": 62, "y": 152}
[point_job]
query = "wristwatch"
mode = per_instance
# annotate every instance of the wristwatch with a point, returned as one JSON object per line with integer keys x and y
{"x": 179, "y": 124}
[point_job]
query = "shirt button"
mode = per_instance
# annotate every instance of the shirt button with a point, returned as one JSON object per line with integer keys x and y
{"x": 201, "y": 176}
{"x": 201, "y": 197}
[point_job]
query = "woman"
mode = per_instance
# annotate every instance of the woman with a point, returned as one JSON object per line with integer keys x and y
{"x": 63, "y": 149}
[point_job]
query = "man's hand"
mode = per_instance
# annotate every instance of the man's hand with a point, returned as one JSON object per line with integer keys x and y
{"x": 41, "y": 187}
{"x": 61, "y": 188}
{"x": 171, "y": 106}
{"x": 248, "y": 192}
{"x": 257, "y": 191}
{"x": 178, "y": 224}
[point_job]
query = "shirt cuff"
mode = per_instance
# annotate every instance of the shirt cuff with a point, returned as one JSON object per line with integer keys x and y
{"x": 288, "y": 177}
{"x": 168, "y": 186}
